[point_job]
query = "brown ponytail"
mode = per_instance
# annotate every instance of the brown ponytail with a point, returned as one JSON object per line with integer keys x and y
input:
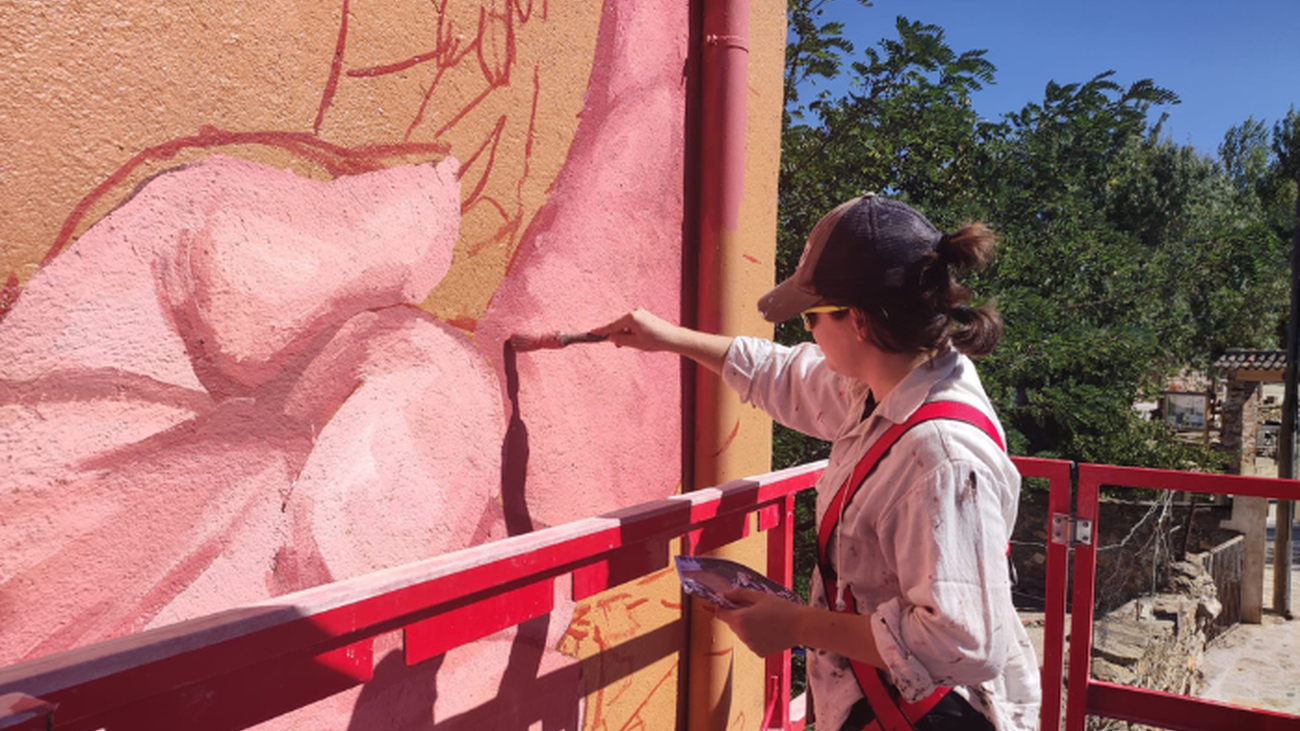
{"x": 935, "y": 310}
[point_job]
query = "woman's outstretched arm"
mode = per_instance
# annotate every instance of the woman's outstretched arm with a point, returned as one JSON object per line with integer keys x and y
{"x": 643, "y": 330}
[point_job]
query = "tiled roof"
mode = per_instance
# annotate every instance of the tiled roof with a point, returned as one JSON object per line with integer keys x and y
{"x": 1252, "y": 360}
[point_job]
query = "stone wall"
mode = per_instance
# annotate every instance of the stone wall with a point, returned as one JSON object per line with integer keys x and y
{"x": 1226, "y": 564}
{"x": 1156, "y": 642}
{"x": 1238, "y": 424}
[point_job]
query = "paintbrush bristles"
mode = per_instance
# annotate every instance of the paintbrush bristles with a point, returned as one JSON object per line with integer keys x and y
{"x": 551, "y": 341}
{"x": 522, "y": 343}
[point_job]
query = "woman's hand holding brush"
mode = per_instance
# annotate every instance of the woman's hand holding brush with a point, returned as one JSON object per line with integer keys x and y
{"x": 643, "y": 330}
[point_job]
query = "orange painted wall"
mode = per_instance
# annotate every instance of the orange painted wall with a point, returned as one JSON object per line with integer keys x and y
{"x": 259, "y": 267}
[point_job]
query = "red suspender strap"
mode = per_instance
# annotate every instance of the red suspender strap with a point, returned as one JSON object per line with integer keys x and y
{"x": 934, "y": 410}
{"x": 891, "y": 714}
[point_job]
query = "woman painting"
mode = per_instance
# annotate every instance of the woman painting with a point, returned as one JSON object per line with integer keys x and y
{"x": 911, "y": 622}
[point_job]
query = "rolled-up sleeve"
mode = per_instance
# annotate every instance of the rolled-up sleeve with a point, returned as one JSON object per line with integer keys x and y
{"x": 948, "y": 540}
{"x": 791, "y": 384}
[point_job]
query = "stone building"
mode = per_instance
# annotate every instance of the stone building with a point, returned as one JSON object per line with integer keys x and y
{"x": 1245, "y": 373}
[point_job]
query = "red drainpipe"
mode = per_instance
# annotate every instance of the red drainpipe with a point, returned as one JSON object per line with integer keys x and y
{"x": 720, "y": 157}
{"x": 714, "y": 688}
{"x": 724, "y": 84}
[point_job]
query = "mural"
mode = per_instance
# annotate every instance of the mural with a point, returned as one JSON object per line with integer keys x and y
{"x": 261, "y": 265}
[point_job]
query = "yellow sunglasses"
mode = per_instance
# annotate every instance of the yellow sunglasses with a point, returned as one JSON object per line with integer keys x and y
{"x": 810, "y": 315}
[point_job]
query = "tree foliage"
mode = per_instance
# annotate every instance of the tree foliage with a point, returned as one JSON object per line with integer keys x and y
{"x": 1124, "y": 258}
{"x": 814, "y": 50}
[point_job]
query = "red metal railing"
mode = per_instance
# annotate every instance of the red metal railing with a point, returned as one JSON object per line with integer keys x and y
{"x": 1058, "y": 474}
{"x": 238, "y": 668}
{"x": 285, "y": 653}
{"x": 1087, "y": 696}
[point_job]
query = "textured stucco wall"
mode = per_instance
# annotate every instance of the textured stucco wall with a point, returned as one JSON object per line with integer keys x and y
{"x": 258, "y": 267}
{"x": 99, "y": 96}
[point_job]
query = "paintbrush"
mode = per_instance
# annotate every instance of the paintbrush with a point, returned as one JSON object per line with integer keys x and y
{"x": 551, "y": 341}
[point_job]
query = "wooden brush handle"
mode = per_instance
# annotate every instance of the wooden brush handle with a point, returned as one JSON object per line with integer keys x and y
{"x": 587, "y": 337}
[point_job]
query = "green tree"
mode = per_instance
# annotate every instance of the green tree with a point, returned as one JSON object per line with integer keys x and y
{"x": 1245, "y": 156}
{"x": 1124, "y": 257}
{"x": 1286, "y": 145}
{"x": 814, "y": 50}
{"x": 1256, "y": 163}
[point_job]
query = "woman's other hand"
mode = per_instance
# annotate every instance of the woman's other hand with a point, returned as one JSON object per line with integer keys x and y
{"x": 768, "y": 624}
{"x": 764, "y": 622}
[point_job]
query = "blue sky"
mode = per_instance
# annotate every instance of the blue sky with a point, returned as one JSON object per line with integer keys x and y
{"x": 1226, "y": 60}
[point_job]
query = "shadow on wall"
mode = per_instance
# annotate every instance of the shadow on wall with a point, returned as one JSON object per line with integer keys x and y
{"x": 514, "y": 451}
{"x": 533, "y": 687}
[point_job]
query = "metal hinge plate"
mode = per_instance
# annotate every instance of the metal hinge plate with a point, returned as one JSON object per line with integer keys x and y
{"x": 1070, "y": 531}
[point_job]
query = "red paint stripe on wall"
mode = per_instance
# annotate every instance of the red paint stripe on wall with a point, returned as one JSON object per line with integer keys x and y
{"x": 730, "y": 438}
{"x": 336, "y": 67}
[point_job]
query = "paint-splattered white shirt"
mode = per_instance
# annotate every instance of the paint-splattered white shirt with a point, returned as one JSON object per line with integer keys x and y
{"x": 923, "y": 544}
